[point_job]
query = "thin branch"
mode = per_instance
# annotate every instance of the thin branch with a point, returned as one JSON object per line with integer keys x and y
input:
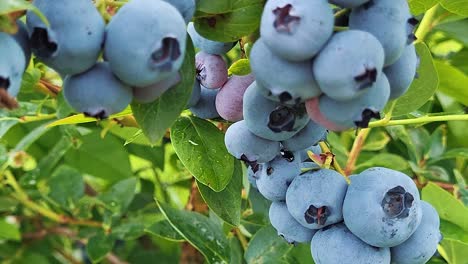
{"x": 356, "y": 151}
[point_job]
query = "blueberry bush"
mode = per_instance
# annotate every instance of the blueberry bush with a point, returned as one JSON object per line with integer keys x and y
{"x": 247, "y": 131}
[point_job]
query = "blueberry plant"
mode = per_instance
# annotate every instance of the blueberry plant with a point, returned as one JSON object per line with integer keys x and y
{"x": 222, "y": 131}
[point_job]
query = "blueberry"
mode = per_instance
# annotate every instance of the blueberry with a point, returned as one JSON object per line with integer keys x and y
{"x": 206, "y": 107}
{"x": 145, "y": 42}
{"x": 97, "y": 92}
{"x": 212, "y": 71}
{"x": 152, "y": 92}
{"x": 382, "y": 207}
{"x": 282, "y": 81}
{"x": 387, "y": 21}
{"x": 252, "y": 175}
{"x": 242, "y": 144}
{"x": 229, "y": 101}
{"x": 348, "y": 3}
{"x": 422, "y": 245}
{"x": 296, "y": 30}
{"x": 336, "y": 244}
{"x": 315, "y": 149}
{"x": 308, "y": 136}
{"x": 342, "y": 115}
{"x": 72, "y": 43}
{"x": 185, "y": 7}
{"x": 272, "y": 120}
{"x": 287, "y": 226}
{"x": 206, "y": 45}
{"x": 402, "y": 73}
{"x": 349, "y": 64}
{"x": 315, "y": 198}
{"x": 196, "y": 94}
{"x": 12, "y": 65}
{"x": 276, "y": 176}
{"x": 22, "y": 37}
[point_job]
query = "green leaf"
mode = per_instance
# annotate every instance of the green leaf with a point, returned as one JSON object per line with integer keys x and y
{"x": 200, "y": 232}
{"x": 156, "y": 117}
{"x": 452, "y": 82}
{"x": 455, "y": 30}
{"x": 82, "y": 119}
{"x": 421, "y": 6}
{"x": 32, "y": 136}
{"x": 448, "y": 207}
{"x": 266, "y": 247}
{"x": 386, "y": 160}
{"x": 377, "y": 140}
{"x": 6, "y": 123}
{"x": 236, "y": 251}
{"x": 423, "y": 87}
{"x": 10, "y": 6}
{"x": 300, "y": 254}
{"x": 103, "y": 158}
{"x": 435, "y": 173}
{"x": 66, "y": 186}
{"x": 454, "y": 251}
{"x": 228, "y": 21}
{"x": 452, "y": 231}
{"x": 200, "y": 146}
{"x": 227, "y": 203}
{"x": 165, "y": 230}
{"x": 120, "y": 195}
{"x": 130, "y": 230}
{"x": 240, "y": 67}
{"x": 99, "y": 246}
{"x": 9, "y": 231}
{"x": 54, "y": 156}
{"x": 437, "y": 143}
{"x": 456, "y": 6}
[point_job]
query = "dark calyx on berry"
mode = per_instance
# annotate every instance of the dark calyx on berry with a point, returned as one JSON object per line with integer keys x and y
{"x": 397, "y": 203}
{"x": 285, "y": 22}
{"x": 4, "y": 83}
{"x": 253, "y": 164}
{"x": 169, "y": 52}
{"x": 282, "y": 119}
{"x": 366, "y": 117}
{"x": 367, "y": 78}
{"x": 41, "y": 43}
{"x": 102, "y": 114}
{"x": 315, "y": 215}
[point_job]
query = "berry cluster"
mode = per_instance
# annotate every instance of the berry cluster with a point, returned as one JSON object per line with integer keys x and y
{"x": 142, "y": 47}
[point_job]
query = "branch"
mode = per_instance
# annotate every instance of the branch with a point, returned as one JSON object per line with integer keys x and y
{"x": 419, "y": 120}
{"x": 356, "y": 151}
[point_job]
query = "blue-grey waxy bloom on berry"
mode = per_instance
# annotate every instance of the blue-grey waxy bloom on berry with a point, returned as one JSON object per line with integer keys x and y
{"x": 308, "y": 136}
{"x": 185, "y": 7}
{"x": 212, "y": 71}
{"x": 230, "y": 99}
{"x": 206, "y": 45}
{"x": 195, "y": 96}
{"x": 282, "y": 80}
{"x": 206, "y": 107}
{"x": 422, "y": 244}
{"x": 336, "y": 244}
{"x": 387, "y": 20}
{"x": 73, "y": 41}
{"x": 350, "y": 63}
{"x": 402, "y": 73}
{"x": 382, "y": 207}
{"x": 22, "y": 38}
{"x": 145, "y": 42}
{"x": 97, "y": 92}
{"x": 277, "y": 175}
{"x": 287, "y": 226}
{"x": 12, "y": 64}
{"x": 244, "y": 145}
{"x": 152, "y": 92}
{"x": 296, "y": 30}
{"x": 315, "y": 198}
{"x": 358, "y": 112}
{"x": 272, "y": 120}
{"x": 348, "y": 3}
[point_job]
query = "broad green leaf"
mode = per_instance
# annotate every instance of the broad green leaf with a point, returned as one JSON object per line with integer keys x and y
{"x": 34, "y": 135}
{"x": 236, "y": 251}
{"x": 401, "y": 134}
{"x": 435, "y": 173}
{"x": 232, "y": 22}
{"x": 129, "y": 230}
{"x": 30, "y": 78}
{"x": 66, "y": 186}
{"x": 156, "y": 117}
{"x": 421, "y": 6}
{"x": 82, "y": 119}
{"x": 103, "y": 158}
{"x": 438, "y": 143}
{"x": 10, "y": 6}
{"x": 153, "y": 154}
{"x": 54, "y": 156}
{"x": 9, "y": 231}
{"x": 377, "y": 140}
{"x": 457, "y": 130}
{"x": 453, "y": 231}
{"x": 200, "y": 232}
{"x": 456, "y": 6}
{"x": 6, "y": 123}
{"x": 214, "y": 7}
{"x": 266, "y": 247}
{"x": 99, "y": 246}
{"x": 423, "y": 87}
{"x": 165, "y": 230}
{"x": 455, "y": 30}
{"x": 452, "y": 82}
{"x": 386, "y": 160}
{"x": 120, "y": 195}
{"x": 300, "y": 254}
{"x": 448, "y": 207}
{"x": 227, "y": 203}
{"x": 240, "y": 67}
{"x": 454, "y": 251}
{"x": 200, "y": 146}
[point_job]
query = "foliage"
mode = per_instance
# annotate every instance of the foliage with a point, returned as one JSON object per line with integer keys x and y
{"x": 152, "y": 181}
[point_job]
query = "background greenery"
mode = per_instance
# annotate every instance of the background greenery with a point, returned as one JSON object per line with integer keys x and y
{"x": 134, "y": 189}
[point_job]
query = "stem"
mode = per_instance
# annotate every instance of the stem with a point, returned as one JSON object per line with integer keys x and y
{"x": 337, "y": 29}
{"x": 115, "y": 3}
{"x": 356, "y": 150}
{"x": 419, "y": 120}
{"x": 334, "y": 162}
{"x": 426, "y": 24}
{"x": 341, "y": 13}
{"x": 242, "y": 239}
{"x": 40, "y": 117}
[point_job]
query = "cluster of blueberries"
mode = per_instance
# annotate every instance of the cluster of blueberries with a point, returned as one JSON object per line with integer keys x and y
{"x": 142, "y": 50}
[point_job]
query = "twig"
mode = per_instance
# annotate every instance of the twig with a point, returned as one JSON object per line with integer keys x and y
{"x": 356, "y": 151}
